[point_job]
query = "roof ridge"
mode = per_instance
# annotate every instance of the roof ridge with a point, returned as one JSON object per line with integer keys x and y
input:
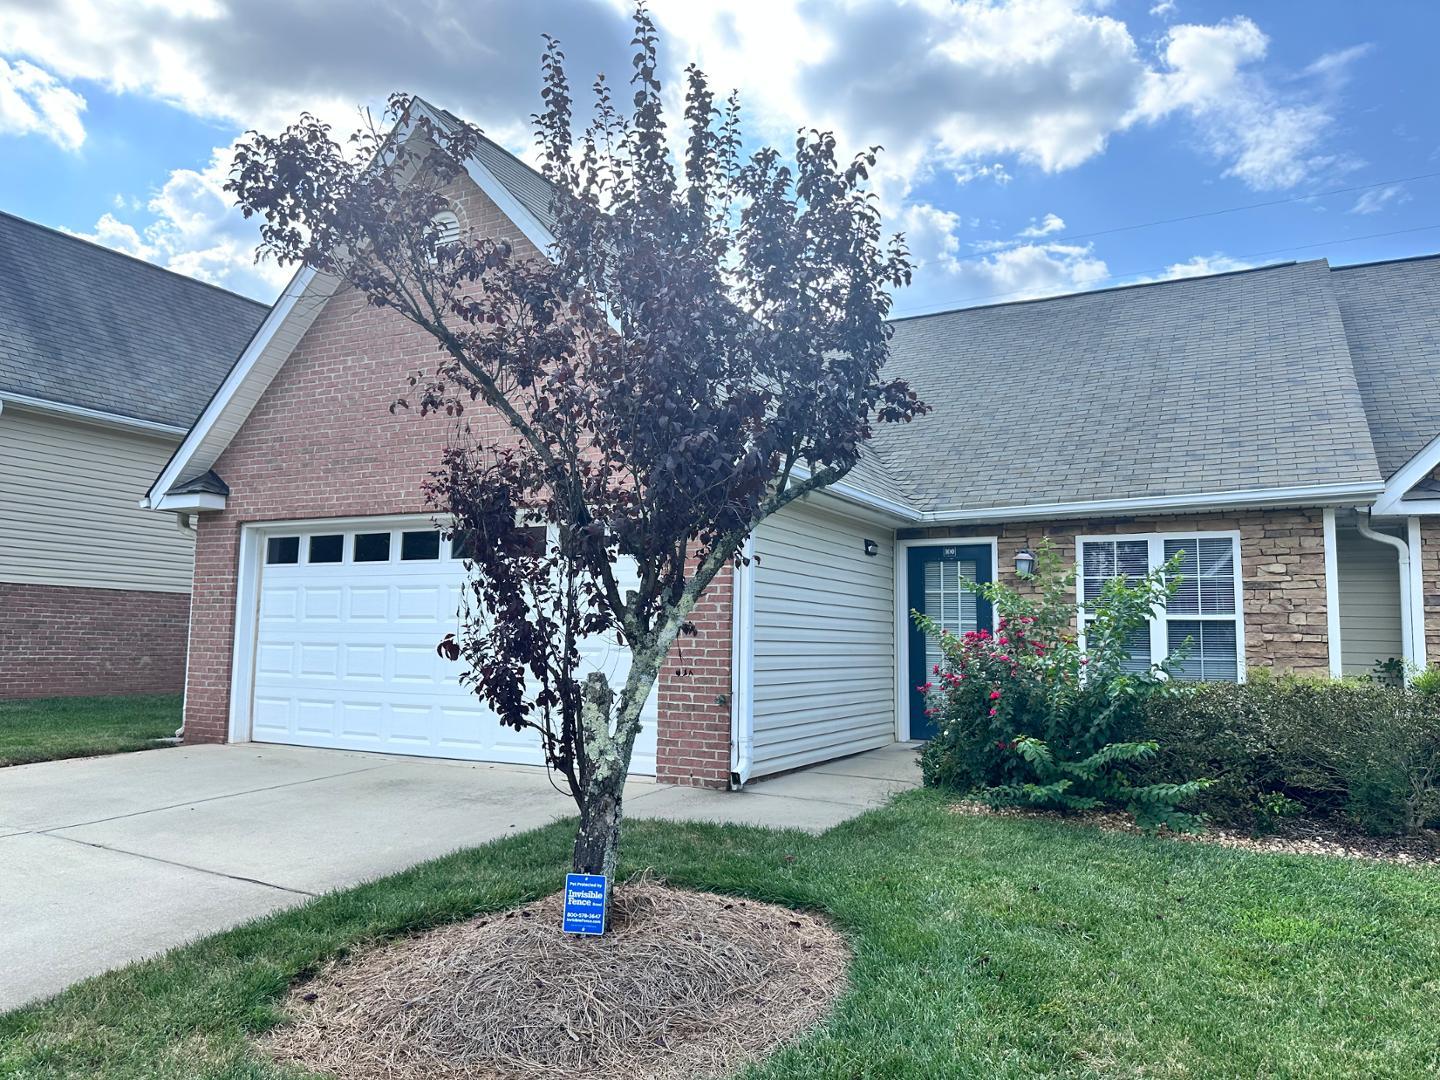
{"x": 1386, "y": 262}
{"x": 1108, "y": 289}
{"x": 65, "y": 235}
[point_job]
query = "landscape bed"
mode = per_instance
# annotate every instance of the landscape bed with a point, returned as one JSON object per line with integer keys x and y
{"x": 982, "y": 946}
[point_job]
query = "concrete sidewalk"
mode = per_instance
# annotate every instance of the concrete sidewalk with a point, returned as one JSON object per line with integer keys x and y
{"x": 107, "y": 860}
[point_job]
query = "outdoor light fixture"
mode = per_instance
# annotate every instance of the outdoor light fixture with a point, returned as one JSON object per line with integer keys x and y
{"x": 1024, "y": 562}
{"x": 872, "y": 548}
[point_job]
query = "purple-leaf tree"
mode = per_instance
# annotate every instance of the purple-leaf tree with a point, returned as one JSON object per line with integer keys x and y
{"x": 702, "y": 345}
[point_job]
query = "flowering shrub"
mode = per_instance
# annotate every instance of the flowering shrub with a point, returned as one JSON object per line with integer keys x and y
{"x": 1025, "y": 716}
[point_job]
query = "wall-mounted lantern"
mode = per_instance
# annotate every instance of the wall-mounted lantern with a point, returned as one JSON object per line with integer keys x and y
{"x": 1024, "y": 562}
{"x": 872, "y": 548}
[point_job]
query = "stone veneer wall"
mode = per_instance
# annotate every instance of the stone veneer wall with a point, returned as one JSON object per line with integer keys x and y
{"x": 1282, "y": 558}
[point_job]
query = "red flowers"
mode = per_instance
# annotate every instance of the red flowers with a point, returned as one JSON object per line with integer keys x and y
{"x": 994, "y": 695}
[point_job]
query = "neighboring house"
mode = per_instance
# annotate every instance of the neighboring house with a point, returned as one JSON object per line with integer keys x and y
{"x": 1279, "y": 426}
{"x": 105, "y": 362}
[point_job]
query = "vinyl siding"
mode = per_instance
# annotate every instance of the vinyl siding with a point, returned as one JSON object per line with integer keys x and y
{"x": 1369, "y": 602}
{"x": 824, "y": 661}
{"x": 69, "y": 507}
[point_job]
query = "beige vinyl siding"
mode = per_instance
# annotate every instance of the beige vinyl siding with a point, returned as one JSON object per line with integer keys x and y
{"x": 824, "y": 664}
{"x": 1369, "y": 602}
{"x": 70, "y": 506}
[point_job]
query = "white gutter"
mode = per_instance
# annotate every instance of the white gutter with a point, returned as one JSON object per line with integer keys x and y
{"x": 1262, "y": 497}
{"x": 95, "y": 416}
{"x": 742, "y": 669}
{"x": 1408, "y": 607}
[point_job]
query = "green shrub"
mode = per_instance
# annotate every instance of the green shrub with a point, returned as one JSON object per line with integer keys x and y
{"x": 1360, "y": 750}
{"x": 1025, "y": 717}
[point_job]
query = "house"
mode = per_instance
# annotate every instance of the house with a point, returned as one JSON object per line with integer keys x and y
{"x": 105, "y": 362}
{"x": 1280, "y": 427}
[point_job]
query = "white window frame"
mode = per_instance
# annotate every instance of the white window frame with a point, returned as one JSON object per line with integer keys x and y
{"x": 1160, "y": 617}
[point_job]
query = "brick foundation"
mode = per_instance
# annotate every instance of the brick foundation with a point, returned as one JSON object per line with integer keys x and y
{"x": 322, "y": 442}
{"x": 67, "y": 642}
{"x": 1282, "y": 561}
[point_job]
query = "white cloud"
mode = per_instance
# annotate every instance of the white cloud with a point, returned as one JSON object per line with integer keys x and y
{"x": 1269, "y": 140}
{"x": 1377, "y": 199}
{"x": 194, "y": 230}
{"x": 956, "y": 89}
{"x": 35, "y": 102}
{"x": 1163, "y": 9}
{"x": 1050, "y": 223}
{"x": 966, "y": 172}
{"x": 1199, "y": 266}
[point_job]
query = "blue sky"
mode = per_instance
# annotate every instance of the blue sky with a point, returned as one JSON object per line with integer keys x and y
{"x": 1023, "y": 139}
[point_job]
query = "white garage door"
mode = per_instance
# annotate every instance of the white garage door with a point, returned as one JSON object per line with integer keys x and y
{"x": 345, "y": 653}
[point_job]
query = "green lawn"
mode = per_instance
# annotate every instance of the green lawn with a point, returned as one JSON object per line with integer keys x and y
{"x": 43, "y": 729}
{"x": 984, "y": 947}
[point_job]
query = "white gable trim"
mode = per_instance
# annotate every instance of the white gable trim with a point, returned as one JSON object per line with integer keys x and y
{"x": 1390, "y": 501}
{"x": 511, "y": 207}
{"x": 268, "y": 350}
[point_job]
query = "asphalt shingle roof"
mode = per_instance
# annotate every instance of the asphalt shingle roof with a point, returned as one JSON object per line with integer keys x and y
{"x": 83, "y": 325}
{"x": 1234, "y": 382}
{"x": 1392, "y": 321}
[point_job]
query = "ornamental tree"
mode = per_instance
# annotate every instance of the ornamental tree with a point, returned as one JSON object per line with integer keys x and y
{"x": 701, "y": 346}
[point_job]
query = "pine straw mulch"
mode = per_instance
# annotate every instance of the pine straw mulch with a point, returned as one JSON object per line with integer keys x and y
{"x": 682, "y": 984}
{"x": 1302, "y": 836}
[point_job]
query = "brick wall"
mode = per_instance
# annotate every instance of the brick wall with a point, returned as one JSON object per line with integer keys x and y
{"x": 1282, "y": 558}
{"x": 694, "y": 734}
{"x": 61, "y": 641}
{"x": 322, "y": 442}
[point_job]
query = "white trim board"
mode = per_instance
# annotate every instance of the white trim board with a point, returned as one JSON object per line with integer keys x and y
{"x": 902, "y": 613}
{"x": 1260, "y": 498}
{"x": 1332, "y": 594}
{"x": 1391, "y": 500}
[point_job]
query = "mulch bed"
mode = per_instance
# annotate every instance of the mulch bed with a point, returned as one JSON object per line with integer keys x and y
{"x": 1303, "y": 836}
{"x": 683, "y": 984}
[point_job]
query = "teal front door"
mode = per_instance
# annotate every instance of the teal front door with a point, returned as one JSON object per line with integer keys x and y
{"x": 935, "y": 574}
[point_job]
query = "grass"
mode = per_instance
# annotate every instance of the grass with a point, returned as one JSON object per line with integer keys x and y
{"x": 44, "y": 729}
{"x": 989, "y": 947}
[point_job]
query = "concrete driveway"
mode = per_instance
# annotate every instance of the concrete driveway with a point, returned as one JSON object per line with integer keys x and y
{"x": 107, "y": 860}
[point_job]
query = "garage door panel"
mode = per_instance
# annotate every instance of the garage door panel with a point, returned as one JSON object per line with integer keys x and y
{"x": 345, "y": 657}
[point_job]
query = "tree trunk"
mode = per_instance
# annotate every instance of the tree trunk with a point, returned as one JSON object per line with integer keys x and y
{"x": 597, "y": 843}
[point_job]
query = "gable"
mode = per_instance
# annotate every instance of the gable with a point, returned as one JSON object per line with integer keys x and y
{"x": 483, "y": 205}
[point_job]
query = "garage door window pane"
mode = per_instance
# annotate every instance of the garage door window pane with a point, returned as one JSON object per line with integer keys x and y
{"x": 280, "y": 550}
{"x": 419, "y": 545}
{"x": 327, "y": 549}
{"x": 372, "y": 547}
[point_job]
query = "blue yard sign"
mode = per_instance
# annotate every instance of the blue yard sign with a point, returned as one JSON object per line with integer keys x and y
{"x": 584, "y": 904}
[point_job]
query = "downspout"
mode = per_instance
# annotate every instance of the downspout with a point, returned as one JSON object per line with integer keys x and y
{"x": 1407, "y": 616}
{"x": 742, "y": 660}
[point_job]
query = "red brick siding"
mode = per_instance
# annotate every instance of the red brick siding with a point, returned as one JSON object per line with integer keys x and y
{"x": 1282, "y": 562}
{"x": 694, "y": 735}
{"x": 63, "y": 642}
{"x": 322, "y": 442}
